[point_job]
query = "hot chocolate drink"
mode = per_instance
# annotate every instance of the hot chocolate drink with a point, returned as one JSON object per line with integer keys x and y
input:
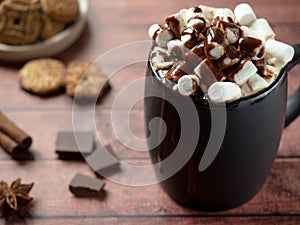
{"x": 217, "y": 79}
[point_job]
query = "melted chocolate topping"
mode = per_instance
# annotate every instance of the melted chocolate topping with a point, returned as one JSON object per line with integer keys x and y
{"x": 248, "y": 45}
{"x": 215, "y": 34}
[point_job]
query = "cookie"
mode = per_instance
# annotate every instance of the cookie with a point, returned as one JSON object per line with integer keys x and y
{"x": 42, "y": 76}
{"x": 20, "y": 22}
{"x": 85, "y": 81}
{"x": 64, "y": 11}
{"x": 50, "y": 27}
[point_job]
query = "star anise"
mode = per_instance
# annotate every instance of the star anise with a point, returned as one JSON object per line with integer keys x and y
{"x": 16, "y": 195}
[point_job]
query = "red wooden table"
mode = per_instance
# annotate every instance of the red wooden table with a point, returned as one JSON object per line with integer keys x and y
{"x": 111, "y": 24}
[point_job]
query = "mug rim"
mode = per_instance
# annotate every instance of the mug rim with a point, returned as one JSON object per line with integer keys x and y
{"x": 243, "y": 101}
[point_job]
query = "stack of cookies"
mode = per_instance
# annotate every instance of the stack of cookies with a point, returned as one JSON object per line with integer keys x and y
{"x": 24, "y": 22}
{"x": 83, "y": 81}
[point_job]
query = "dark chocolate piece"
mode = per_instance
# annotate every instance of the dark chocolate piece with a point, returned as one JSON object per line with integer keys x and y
{"x": 103, "y": 161}
{"x": 84, "y": 186}
{"x": 74, "y": 145}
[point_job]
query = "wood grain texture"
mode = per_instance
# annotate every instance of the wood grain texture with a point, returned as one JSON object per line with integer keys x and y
{"x": 280, "y": 195}
{"x": 51, "y": 121}
{"x": 137, "y": 12}
{"x": 74, "y": 220}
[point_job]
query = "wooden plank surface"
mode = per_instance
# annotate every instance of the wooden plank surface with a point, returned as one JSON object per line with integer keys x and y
{"x": 279, "y": 196}
{"x": 111, "y": 24}
{"x": 77, "y": 220}
{"x": 51, "y": 121}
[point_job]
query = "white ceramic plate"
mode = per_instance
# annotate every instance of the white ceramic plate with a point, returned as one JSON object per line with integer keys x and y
{"x": 49, "y": 47}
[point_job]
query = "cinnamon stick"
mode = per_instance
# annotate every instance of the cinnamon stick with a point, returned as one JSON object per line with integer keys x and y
{"x": 8, "y": 144}
{"x": 14, "y": 133}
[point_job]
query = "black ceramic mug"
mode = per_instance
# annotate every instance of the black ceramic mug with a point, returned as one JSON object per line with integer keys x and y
{"x": 245, "y": 156}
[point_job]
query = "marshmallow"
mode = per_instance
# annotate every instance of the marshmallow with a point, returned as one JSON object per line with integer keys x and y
{"x": 197, "y": 23}
{"x": 193, "y": 12}
{"x": 246, "y": 90}
{"x": 161, "y": 35}
{"x": 262, "y": 28}
{"x": 232, "y": 31}
{"x": 183, "y": 11}
{"x": 244, "y": 14}
{"x": 214, "y": 50}
{"x": 177, "y": 22}
{"x": 161, "y": 55}
{"x": 230, "y": 58}
{"x": 158, "y": 61}
{"x": 252, "y": 47}
{"x": 232, "y": 35}
{"x": 278, "y": 54}
{"x": 271, "y": 71}
{"x": 190, "y": 37}
{"x": 244, "y": 71}
{"x": 160, "y": 64}
{"x": 188, "y": 85}
{"x": 214, "y": 44}
{"x": 176, "y": 49}
{"x": 224, "y": 14}
{"x": 257, "y": 83}
{"x": 273, "y": 61}
{"x": 195, "y": 19}
{"x": 220, "y": 92}
{"x": 178, "y": 70}
{"x": 246, "y": 32}
{"x": 153, "y": 30}
{"x": 208, "y": 12}
{"x": 270, "y": 79}
{"x": 225, "y": 62}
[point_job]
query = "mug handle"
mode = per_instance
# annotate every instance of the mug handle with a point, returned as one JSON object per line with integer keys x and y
{"x": 293, "y": 104}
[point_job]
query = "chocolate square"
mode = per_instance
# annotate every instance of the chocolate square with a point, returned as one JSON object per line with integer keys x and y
{"x": 103, "y": 161}
{"x": 84, "y": 186}
{"x": 74, "y": 145}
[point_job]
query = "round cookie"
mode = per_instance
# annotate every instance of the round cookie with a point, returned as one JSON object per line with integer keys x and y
{"x": 50, "y": 27}
{"x": 64, "y": 11}
{"x": 42, "y": 76}
{"x": 75, "y": 71}
{"x": 20, "y": 22}
{"x": 85, "y": 81}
